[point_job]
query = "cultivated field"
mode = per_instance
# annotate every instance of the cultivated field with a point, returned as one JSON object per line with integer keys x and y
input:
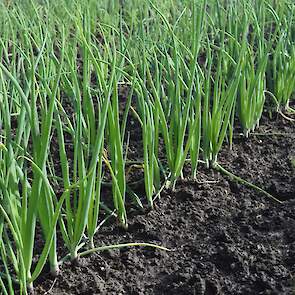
{"x": 147, "y": 147}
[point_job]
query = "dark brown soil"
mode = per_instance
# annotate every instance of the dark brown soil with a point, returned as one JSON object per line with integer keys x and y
{"x": 225, "y": 238}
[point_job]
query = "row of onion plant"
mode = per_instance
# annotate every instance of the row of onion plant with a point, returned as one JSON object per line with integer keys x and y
{"x": 191, "y": 68}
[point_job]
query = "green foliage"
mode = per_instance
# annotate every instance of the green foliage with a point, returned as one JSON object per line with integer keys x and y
{"x": 191, "y": 68}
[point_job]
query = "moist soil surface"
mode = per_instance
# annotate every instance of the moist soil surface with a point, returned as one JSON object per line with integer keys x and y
{"x": 224, "y": 237}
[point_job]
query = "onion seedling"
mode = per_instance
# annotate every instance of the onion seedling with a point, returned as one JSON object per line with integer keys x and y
{"x": 251, "y": 92}
{"x": 174, "y": 100}
{"x": 216, "y": 115}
